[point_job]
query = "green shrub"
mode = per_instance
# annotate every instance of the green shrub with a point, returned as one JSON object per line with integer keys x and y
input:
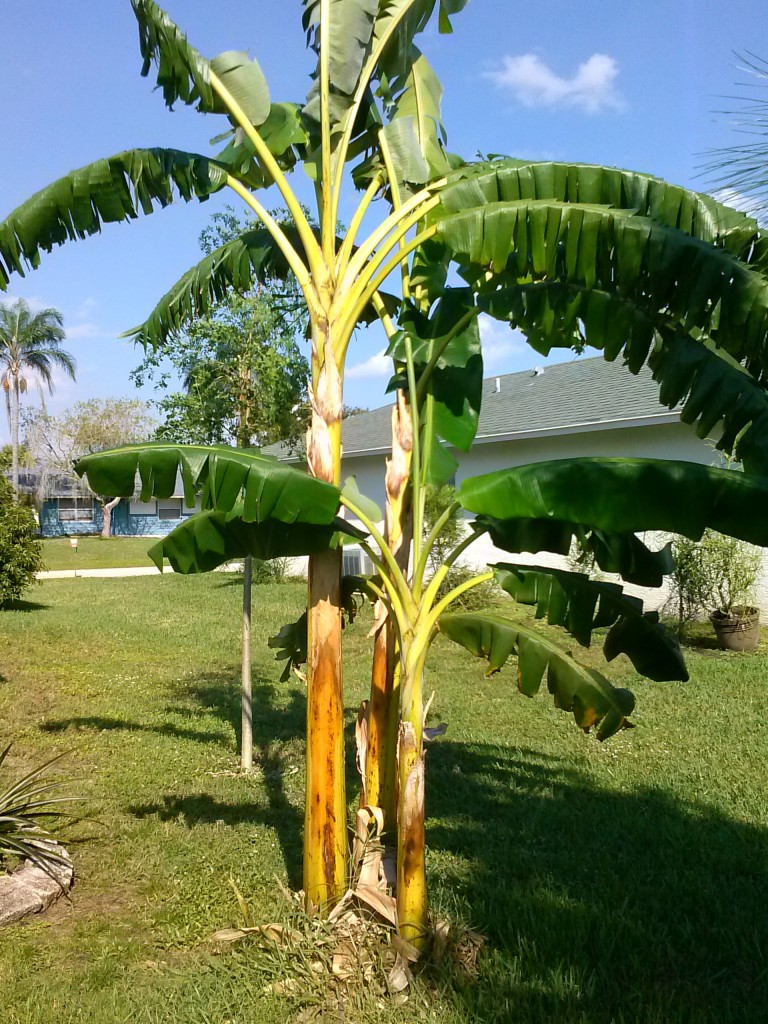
{"x": 716, "y": 572}
{"x": 438, "y": 500}
{"x": 736, "y": 566}
{"x": 20, "y": 554}
{"x": 481, "y": 596}
{"x": 692, "y": 584}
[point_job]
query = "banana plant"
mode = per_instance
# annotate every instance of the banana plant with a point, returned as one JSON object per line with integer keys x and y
{"x": 570, "y": 254}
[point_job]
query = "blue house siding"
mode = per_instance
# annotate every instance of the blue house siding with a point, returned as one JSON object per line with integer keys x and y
{"x": 124, "y": 523}
{"x": 52, "y": 526}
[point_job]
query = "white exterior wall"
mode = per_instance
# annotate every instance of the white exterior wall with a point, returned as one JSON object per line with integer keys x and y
{"x": 369, "y": 472}
{"x": 674, "y": 440}
{"x": 661, "y": 441}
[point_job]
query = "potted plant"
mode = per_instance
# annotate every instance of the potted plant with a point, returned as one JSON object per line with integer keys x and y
{"x": 736, "y": 566}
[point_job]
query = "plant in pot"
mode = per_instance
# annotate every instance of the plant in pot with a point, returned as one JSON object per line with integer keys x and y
{"x": 736, "y": 566}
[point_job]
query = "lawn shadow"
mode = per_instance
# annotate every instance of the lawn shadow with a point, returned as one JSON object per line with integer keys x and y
{"x": 279, "y": 719}
{"x": 109, "y": 724}
{"x": 611, "y": 907}
{"x": 24, "y": 606}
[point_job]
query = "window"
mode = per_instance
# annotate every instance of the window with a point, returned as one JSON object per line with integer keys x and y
{"x": 355, "y": 563}
{"x": 142, "y": 508}
{"x": 169, "y": 508}
{"x": 76, "y": 510}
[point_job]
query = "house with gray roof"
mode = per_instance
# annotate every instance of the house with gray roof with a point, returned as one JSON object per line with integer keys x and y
{"x": 580, "y": 408}
{"x": 67, "y": 508}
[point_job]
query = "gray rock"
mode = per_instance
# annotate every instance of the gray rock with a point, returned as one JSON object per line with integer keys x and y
{"x": 48, "y": 889}
{"x": 30, "y": 889}
{"x": 17, "y": 900}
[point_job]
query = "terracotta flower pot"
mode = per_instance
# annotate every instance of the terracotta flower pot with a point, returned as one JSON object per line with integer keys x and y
{"x": 737, "y": 630}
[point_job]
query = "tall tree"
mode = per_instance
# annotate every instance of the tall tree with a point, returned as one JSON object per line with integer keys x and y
{"x": 243, "y": 374}
{"x": 91, "y": 426}
{"x": 244, "y": 378}
{"x": 29, "y": 343}
{"x": 568, "y": 253}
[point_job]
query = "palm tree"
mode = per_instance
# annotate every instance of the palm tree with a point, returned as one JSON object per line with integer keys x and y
{"x": 741, "y": 170}
{"x": 28, "y": 342}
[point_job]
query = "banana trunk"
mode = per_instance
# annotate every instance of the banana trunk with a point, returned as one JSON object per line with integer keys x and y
{"x": 325, "y": 815}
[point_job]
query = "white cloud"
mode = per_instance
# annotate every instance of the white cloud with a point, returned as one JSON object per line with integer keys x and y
{"x": 87, "y": 306}
{"x": 499, "y": 341}
{"x": 379, "y": 365}
{"x": 83, "y": 331}
{"x": 534, "y": 84}
{"x": 35, "y": 304}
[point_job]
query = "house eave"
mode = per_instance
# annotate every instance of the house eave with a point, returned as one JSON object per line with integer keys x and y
{"x": 652, "y": 420}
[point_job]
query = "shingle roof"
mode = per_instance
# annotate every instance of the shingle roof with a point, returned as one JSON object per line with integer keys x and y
{"x": 580, "y": 394}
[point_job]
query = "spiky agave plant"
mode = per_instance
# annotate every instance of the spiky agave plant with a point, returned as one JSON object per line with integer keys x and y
{"x": 29, "y": 806}
{"x": 570, "y": 254}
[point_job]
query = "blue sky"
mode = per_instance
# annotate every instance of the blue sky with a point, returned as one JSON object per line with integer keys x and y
{"x": 633, "y": 85}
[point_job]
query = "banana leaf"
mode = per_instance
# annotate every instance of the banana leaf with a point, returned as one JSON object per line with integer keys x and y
{"x": 209, "y": 539}
{"x": 625, "y": 495}
{"x": 621, "y": 553}
{"x": 583, "y": 691}
{"x": 267, "y": 488}
{"x": 580, "y": 605}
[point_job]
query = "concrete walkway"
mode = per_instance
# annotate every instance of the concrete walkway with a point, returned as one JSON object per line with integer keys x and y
{"x": 70, "y": 574}
{"x": 137, "y": 570}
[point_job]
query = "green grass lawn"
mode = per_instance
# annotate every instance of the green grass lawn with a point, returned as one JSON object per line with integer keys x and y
{"x": 623, "y": 883}
{"x": 97, "y": 552}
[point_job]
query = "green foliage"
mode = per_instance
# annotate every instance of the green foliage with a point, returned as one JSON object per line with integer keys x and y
{"x": 28, "y": 342}
{"x": 714, "y": 390}
{"x": 184, "y": 74}
{"x": 735, "y": 567}
{"x": 106, "y": 191}
{"x": 239, "y": 264}
{"x": 28, "y": 807}
{"x": 274, "y": 570}
{"x": 20, "y": 554}
{"x": 209, "y": 539}
{"x": 576, "y": 688}
{"x": 481, "y": 595}
{"x": 622, "y": 495}
{"x": 692, "y": 582}
{"x": 437, "y": 502}
{"x": 245, "y": 379}
{"x": 26, "y": 460}
{"x": 581, "y": 605}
